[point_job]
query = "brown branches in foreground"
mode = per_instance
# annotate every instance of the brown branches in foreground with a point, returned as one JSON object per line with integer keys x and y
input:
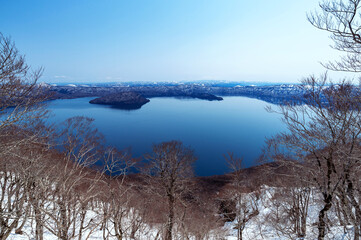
{"x": 343, "y": 21}
{"x": 242, "y": 194}
{"x": 21, "y": 97}
{"x": 169, "y": 170}
{"x": 322, "y": 147}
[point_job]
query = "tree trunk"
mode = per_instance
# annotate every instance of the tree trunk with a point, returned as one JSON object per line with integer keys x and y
{"x": 83, "y": 213}
{"x": 322, "y": 218}
{"x": 355, "y": 204}
{"x": 63, "y": 222}
{"x": 118, "y": 230}
{"x": 302, "y": 234}
{"x": 39, "y": 230}
{"x": 170, "y": 223}
{"x": 239, "y": 234}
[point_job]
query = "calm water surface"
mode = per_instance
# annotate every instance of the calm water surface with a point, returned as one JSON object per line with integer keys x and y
{"x": 236, "y": 124}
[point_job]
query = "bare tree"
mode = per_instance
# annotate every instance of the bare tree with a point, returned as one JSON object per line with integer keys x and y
{"x": 289, "y": 211}
{"x": 119, "y": 217}
{"x": 323, "y": 140}
{"x": 20, "y": 95}
{"x": 21, "y": 134}
{"x": 170, "y": 167}
{"x": 245, "y": 197}
{"x": 347, "y": 200}
{"x": 342, "y": 19}
{"x": 21, "y": 98}
{"x": 36, "y": 167}
{"x": 22, "y": 167}
{"x": 12, "y": 200}
{"x": 75, "y": 185}
{"x": 290, "y": 200}
{"x": 199, "y": 218}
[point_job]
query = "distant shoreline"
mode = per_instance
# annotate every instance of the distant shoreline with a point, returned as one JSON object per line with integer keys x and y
{"x": 275, "y": 94}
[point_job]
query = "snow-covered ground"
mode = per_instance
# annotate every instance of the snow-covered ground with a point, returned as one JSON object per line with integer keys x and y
{"x": 261, "y": 226}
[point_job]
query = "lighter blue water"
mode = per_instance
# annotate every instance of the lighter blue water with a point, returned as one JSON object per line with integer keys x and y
{"x": 212, "y": 128}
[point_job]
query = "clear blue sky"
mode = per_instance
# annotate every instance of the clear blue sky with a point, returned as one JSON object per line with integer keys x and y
{"x": 167, "y": 40}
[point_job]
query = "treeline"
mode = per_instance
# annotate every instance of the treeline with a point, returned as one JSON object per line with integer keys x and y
{"x": 77, "y": 190}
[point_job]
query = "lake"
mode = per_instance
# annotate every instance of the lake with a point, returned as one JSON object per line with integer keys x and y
{"x": 211, "y": 128}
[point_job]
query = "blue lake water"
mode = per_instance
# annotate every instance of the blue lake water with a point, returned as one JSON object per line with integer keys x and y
{"x": 211, "y": 128}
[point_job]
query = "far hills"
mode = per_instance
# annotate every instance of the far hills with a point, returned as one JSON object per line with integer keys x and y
{"x": 276, "y": 94}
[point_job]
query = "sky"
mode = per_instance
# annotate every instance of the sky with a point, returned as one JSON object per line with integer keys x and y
{"x": 83, "y": 41}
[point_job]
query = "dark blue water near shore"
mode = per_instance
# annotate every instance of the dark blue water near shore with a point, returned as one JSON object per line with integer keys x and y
{"x": 236, "y": 124}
